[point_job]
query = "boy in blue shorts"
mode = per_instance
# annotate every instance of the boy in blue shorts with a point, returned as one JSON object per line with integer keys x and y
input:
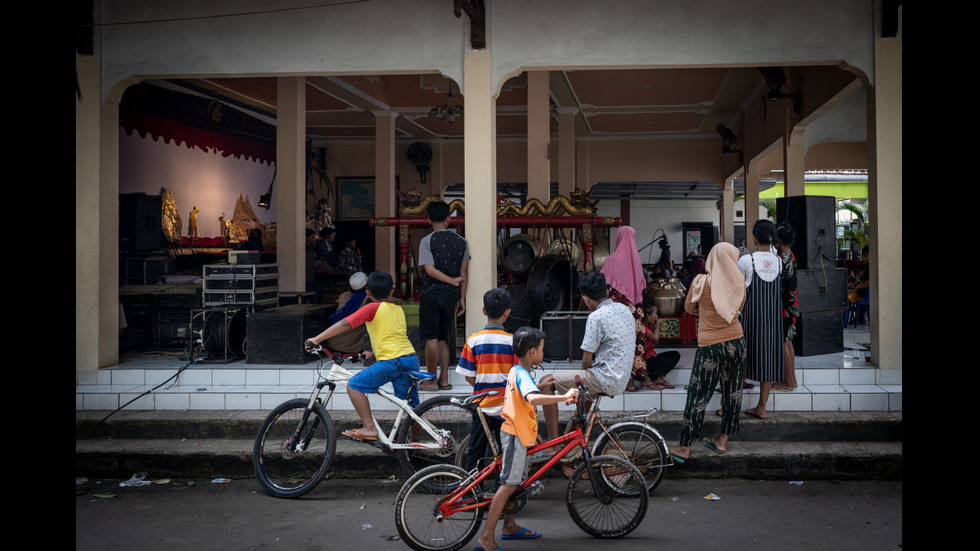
{"x": 519, "y": 430}
{"x": 393, "y": 352}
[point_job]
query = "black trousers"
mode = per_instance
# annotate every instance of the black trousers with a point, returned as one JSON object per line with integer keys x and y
{"x": 662, "y": 363}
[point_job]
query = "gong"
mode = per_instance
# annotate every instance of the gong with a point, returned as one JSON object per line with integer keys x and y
{"x": 549, "y": 285}
{"x": 518, "y": 254}
{"x": 569, "y": 248}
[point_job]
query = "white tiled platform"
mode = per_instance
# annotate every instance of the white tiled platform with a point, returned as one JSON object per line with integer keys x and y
{"x": 832, "y": 382}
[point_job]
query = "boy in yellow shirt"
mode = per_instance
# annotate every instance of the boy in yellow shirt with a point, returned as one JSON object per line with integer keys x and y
{"x": 395, "y": 355}
{"x": 519, "y": 430}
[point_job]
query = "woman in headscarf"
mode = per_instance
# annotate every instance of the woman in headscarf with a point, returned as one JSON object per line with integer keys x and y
{"x": 716, "y": 297}
{"x": 625, "y": 283}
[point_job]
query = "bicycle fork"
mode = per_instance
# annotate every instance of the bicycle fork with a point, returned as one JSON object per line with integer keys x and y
{"x": 298, "y": 443}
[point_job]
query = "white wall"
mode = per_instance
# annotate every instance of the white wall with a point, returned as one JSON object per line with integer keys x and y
{"x": 648, "y": 216}
{"x": 209, "y": 181}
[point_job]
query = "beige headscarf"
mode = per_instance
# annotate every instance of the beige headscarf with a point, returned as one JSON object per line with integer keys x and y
{"x": 727, "y": 283}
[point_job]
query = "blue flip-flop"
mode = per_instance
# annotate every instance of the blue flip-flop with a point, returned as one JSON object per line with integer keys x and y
{"x": 522, "y": 534}
{"x": 478, "y": 548}
{"x": 677, "y": 458}
{"x": 711, "y": 446}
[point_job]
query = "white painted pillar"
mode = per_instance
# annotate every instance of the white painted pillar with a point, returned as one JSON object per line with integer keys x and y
{"x": 885, "y": 205}
{"x": 566, "y": 151}
{"x": 480, "y": 177}
{"x": 752, "y": 179}
{"x": 793, "y": 159}
{"x": 96, "y": 229}
{"x": 538, "y": 136}
{"x": 290, "y": 185}
{"x": 727, "y": 229}
{"x": 385, "y": 244}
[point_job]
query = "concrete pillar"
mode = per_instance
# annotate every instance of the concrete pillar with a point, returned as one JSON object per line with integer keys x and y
{"x": 538, "y": 136}
{"x": 385, "y": 242}
{"x": 727, "y": 229}
{"x": 885, "y": 196}
{"x": 480, "y": 176}
{"x": 96, "y": 223}
{"x": 752, "y": 179}
{"x": 290, "y": 185}
{"x": 793, "y": 159}
{"x": 566, "y": 151}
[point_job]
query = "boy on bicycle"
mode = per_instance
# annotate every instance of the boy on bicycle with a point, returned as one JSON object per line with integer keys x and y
{"x": 393, "y": 352}
{"x": 519, "y": 430}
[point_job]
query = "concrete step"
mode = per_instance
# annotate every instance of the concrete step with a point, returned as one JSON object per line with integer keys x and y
{"x": 785, "y": 446}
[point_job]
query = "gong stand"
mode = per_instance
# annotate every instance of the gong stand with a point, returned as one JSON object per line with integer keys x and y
{"x": 586, "y": 223}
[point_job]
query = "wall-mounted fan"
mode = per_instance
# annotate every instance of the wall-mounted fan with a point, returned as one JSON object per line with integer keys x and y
{"x": 420, "y": 154}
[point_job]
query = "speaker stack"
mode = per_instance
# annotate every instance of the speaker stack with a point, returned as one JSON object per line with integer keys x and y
{"x": 820, "y": 285}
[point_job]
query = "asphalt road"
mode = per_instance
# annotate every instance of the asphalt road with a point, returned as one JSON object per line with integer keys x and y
{"x": 358, "y": 515}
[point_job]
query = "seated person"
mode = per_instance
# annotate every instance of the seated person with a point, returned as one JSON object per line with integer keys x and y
{"x": 393, "y": 351}
{"x": 254, "y": 242}
{"x": 352, "y": 340}
{"x": 607, "y": 349}
{"x": 658, "y": 365}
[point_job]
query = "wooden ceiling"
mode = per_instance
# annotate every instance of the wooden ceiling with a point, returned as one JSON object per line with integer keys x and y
{"x": 609, "y": 103}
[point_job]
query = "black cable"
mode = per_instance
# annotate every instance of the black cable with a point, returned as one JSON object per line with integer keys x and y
{"x": 117, "y": 410}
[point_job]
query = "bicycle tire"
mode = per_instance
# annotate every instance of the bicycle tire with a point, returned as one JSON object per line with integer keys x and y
{"x": 617, "y": 508}
{"x": 290, "y": 474}
{"x": 641, "y": 445}
{"x": 444, "y": 415}
{"x": 415, "y": 507}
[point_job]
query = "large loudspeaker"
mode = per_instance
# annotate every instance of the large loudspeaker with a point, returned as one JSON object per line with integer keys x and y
{"x": 139, "y": 222}
{"x": 564, "y": 332}
{"x": 276, "y": 335}
{"x": 822, "y": 295}
{"x": 813, "y": 220}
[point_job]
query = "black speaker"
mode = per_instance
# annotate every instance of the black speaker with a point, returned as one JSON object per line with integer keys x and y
{"x": 563, "y": 335}
{"x": 821, "y": 289}
{"x": 139, "y": 222}
{"x": 813, "y": 220}
{"x": 699, "y": 237}
{"x": 819, "y": 332}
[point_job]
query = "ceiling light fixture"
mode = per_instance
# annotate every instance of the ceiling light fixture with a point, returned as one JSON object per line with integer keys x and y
{"x": 266, "y": 199}
{"x": 447, "y": 112}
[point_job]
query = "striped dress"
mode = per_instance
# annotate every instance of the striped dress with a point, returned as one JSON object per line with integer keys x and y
{"x": 762, "y": 318}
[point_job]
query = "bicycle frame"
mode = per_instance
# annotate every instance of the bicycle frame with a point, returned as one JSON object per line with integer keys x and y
{"x": 386, "y": 440}
{"x": 568, "y": 441}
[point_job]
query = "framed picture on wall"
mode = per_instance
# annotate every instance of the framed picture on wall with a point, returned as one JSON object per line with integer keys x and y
{"x": 355, "y": 198}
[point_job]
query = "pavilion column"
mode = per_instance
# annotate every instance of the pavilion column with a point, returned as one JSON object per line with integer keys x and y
{"x": 290, "y": 185}
{"x": 885, "y": 196}
{"x": 96, "y": 222}
{"x": 727, "y": 229}
{"x": 752, "y": 180}
{"x": 385, "y": 240}
{"x": 566, "y": 151}
{"x": 480, "y": 177}
{"x": 793, "y": 159}
{"x": 538, "y": 136}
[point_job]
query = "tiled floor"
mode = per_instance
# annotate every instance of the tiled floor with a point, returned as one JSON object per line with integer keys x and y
{"x": 841, "y": 381}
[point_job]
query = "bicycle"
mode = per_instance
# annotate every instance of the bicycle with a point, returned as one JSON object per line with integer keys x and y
{"x": 440, "y": 508}
{"x": 296, "y": 442}
{"x": 634, "y": 439}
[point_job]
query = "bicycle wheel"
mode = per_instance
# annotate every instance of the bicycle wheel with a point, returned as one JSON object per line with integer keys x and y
{"x": 293, "y": 450}
{"x": 612, "y": 506}
{"x": 452, "y": 420}
{"x": 415, "y": 510}
{"x": 638, "y": 443}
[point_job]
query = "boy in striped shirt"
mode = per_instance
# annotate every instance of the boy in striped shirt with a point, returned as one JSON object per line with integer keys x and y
{"x": 486, "y": 360}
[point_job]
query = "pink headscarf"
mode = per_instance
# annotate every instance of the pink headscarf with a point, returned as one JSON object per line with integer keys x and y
{"x": 623, "y": 269}
{"x": 723, "y": 277}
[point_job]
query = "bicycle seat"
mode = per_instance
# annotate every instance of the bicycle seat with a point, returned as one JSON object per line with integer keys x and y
{"x": 421, "y": 375}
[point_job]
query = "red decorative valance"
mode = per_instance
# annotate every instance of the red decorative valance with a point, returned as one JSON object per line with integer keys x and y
{"x": 178, "y": 133}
